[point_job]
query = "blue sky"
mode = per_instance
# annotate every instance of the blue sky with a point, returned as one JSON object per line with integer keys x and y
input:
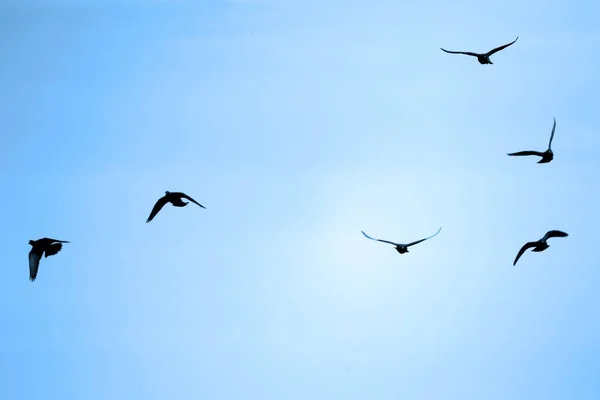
{"x": 298, "y": 124}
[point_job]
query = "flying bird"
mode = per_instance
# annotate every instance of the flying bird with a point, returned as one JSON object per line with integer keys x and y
{"x": 175, "y": 199}
{"x": 400, "y": 247}
{"x": 547, "y": 155}
{"x": 483, "y": 58}
{"x": 46, "y": 247}
{"x": 541, "y": 244}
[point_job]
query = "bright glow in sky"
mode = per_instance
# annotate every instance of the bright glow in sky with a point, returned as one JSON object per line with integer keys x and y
{"x": 298, "y": 124}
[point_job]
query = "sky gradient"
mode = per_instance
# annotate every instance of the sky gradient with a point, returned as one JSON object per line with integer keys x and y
{"x": 298, "y": 124}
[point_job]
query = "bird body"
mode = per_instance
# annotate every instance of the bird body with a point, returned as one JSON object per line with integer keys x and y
{"x": 547, "y": 155}
{"x": 539, "y": 245}
{"x": 401, "y": 247}
{"x": 46, "y": 247}
{"x": 483, "y": 58}
{"x": 175, "y": 198}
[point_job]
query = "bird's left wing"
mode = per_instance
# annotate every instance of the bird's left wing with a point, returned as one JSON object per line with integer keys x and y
{"x": 422, "y": 240}
{"x": 190, "y": 199}
{"x": 52, "y": 249}
{"x": 497, "y": 49}
{"x": 552, "y": 134}
{"x": 555, "y": 233}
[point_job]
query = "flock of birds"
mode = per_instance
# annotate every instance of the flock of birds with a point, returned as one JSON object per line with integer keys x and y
{"x": 49, "y": 247}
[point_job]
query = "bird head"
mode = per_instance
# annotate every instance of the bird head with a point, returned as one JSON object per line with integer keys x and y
{"x": 167, "y": 192}
{"x": 31, "y": 242}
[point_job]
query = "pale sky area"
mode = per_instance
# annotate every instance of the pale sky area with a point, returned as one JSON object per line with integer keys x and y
{"x": 298, "y": 124}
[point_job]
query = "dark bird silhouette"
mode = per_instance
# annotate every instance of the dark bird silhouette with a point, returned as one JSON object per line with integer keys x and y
{"x": 483, "y": 58}
{"x": 175, "y": 199}
{"x": 400, "y": 247}
{"x": 547, "y": 155}
{"x": 541, "y": 244}
{"x": 46, "y": 247}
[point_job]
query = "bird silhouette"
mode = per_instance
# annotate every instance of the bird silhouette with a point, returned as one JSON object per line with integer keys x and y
{"x": 46, "y": 247}
{"x": 175, "y": 199}
{"x": 547, "y": 155}
{"x": 541, "y": 244}
{"x": 483, "y": 58}
{"x": 401, "y": 247}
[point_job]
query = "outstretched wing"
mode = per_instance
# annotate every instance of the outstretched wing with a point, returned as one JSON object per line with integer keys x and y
{"x": 525, "y": 247}
{"x": 34, "y": 264}
{"x": 379, "y": 240}
{"x": 527, "y": 153}
{"x": 468, "y": 53}
{"x": 157, "y": 207}
{"x": 554, "y": 233}
{"x": 552, "y": 134}
{"x": 497, "y": 49}
{"x": 422, "y": 240}
{"x": 55, "y": 241}
{"x": 52, "y": 249}
{"x": 185, "y": 196}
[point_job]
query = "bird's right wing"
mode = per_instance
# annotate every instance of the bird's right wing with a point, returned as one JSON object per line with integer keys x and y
{"x": 554, "y": 233}
{"x": 34, "y": 263}
{"x": 497, "y": 49}
{"x": 379, "y": 240}
{"x": 527, "y": 153}
{"x": 468, "y": 53}
{"x": 525, "y": 247}
{"x": 552, "y": 134}
{"x": 157, "y": 207}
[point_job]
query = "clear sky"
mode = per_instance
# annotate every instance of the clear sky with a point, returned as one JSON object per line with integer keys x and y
{"x": 298, "y": 124}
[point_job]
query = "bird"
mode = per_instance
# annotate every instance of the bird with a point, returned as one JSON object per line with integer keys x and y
{"x": 400, "y": 247}
{"x": 547, "y": 155}
{"x": 541, "y": 244}
{"x": 483, "y": 58}
{"x": 46, "y": 247}
{"x": 175, "y": 199}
